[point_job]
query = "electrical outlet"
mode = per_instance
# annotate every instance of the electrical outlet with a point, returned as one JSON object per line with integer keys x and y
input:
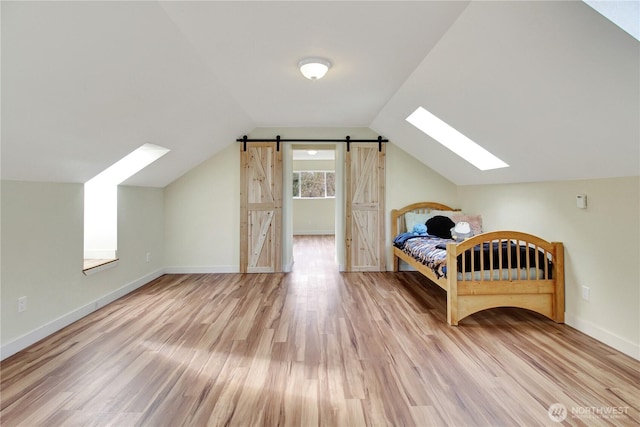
{"x": 22, "y": 304}
{"x": 586, "y": 293}
{"x": 148, "y": 256}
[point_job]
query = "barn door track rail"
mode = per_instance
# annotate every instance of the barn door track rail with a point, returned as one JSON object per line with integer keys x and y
{"x": 278, "y": 140}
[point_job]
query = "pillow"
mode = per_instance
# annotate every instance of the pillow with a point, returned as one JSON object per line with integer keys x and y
{"x": 448, "y": 214}
{"x": 413, "y": 218}
{"x": 475, "y": 221}
{"x": 440, "y": 226}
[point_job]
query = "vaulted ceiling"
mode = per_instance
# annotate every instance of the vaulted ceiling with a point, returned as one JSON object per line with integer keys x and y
{"x": 552, "y": 88}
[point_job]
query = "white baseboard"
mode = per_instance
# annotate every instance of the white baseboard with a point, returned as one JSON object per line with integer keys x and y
{"x": 203, "y": 269}
{"x": 47, "y": 329}
{"x": 594, "y": 331}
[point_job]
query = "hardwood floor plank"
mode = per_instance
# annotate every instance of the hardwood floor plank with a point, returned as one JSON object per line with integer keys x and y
{"x": 313, "y": 347}
{"x": 331, "y": 380}
{"x": 296, "y": 396}
{"x": 250, "y": 407}
{"x": 224, "y": 410}
{"x": 310, "y": 409}
{"x": 425, "y": 416}
{"x": 355, "y": 414}
{"x": 352, "y": 370}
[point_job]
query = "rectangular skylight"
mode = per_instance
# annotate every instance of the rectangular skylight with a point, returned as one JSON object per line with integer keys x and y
{"x": 625, "y": 14}
{"x": 454, "y": 140}
{"x": 129, "y": 165}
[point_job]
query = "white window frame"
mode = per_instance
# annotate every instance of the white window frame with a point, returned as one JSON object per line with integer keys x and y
{"x": 325, "y": 184}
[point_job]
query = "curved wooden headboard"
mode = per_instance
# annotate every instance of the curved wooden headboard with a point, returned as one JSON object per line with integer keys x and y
{"x": 397, "y": 215}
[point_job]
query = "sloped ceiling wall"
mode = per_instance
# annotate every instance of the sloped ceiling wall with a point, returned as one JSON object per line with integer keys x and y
{"x": 550, "y": 87}
{"x": 85, "y": 83}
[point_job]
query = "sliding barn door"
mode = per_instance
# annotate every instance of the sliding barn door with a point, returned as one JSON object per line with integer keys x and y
{"x": 260, "y": 208}
{"x": 364, "y": 173}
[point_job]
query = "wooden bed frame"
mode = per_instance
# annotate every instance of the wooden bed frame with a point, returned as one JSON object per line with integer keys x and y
{"x": 466, "y": 296}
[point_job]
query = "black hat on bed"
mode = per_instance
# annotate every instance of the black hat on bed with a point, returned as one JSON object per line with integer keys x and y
{"x": 440, "y": 226}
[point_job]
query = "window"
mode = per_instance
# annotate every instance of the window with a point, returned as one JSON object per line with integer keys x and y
{"x": 314, "y": 184}
{"x": 101, "y": 206}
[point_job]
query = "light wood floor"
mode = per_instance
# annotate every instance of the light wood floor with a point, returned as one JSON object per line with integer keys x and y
{"x": 313, "y": 347}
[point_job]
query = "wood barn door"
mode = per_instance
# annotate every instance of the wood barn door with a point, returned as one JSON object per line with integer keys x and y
{"x": 260, "y": 208}
{"x": 365, "y": 184}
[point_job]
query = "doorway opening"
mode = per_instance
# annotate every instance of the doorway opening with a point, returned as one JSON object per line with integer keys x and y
{"x": 314, "y": 206}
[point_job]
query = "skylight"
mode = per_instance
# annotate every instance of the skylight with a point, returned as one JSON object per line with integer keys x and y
{"x": 625, "y": 14}
{"x": 454, "y": 140}
{"x": 129, "y": 165}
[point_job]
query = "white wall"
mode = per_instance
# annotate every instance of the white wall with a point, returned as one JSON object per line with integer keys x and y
{"x": 42, "y": 256}
{"x": 314, "y": 216}
{"x": 602, "y": 245}
{"x": 202, "y": 210}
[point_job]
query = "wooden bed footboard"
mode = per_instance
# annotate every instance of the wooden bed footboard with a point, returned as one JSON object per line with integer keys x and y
{"x": 519, "y": 270}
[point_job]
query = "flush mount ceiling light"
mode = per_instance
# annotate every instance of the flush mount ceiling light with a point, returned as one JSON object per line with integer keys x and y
{"x": 314, "y": 68}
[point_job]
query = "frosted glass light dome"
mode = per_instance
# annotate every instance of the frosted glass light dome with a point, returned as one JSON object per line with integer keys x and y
{"x": 314, "y": 68}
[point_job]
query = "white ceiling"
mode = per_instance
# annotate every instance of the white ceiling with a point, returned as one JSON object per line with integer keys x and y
{"x": 314, "y": 154}
{"x": 550, "y": 87}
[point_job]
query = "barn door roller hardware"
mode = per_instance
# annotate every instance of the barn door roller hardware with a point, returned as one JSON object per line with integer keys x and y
{"x": 278, "y": 140}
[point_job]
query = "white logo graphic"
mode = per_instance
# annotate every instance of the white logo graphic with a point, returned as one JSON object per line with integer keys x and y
{"x": 557, "y": 412}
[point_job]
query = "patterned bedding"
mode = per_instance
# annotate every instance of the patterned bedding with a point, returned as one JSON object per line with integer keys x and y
{"x": 426, "y": 249}
{"x": 431, "y": 251}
